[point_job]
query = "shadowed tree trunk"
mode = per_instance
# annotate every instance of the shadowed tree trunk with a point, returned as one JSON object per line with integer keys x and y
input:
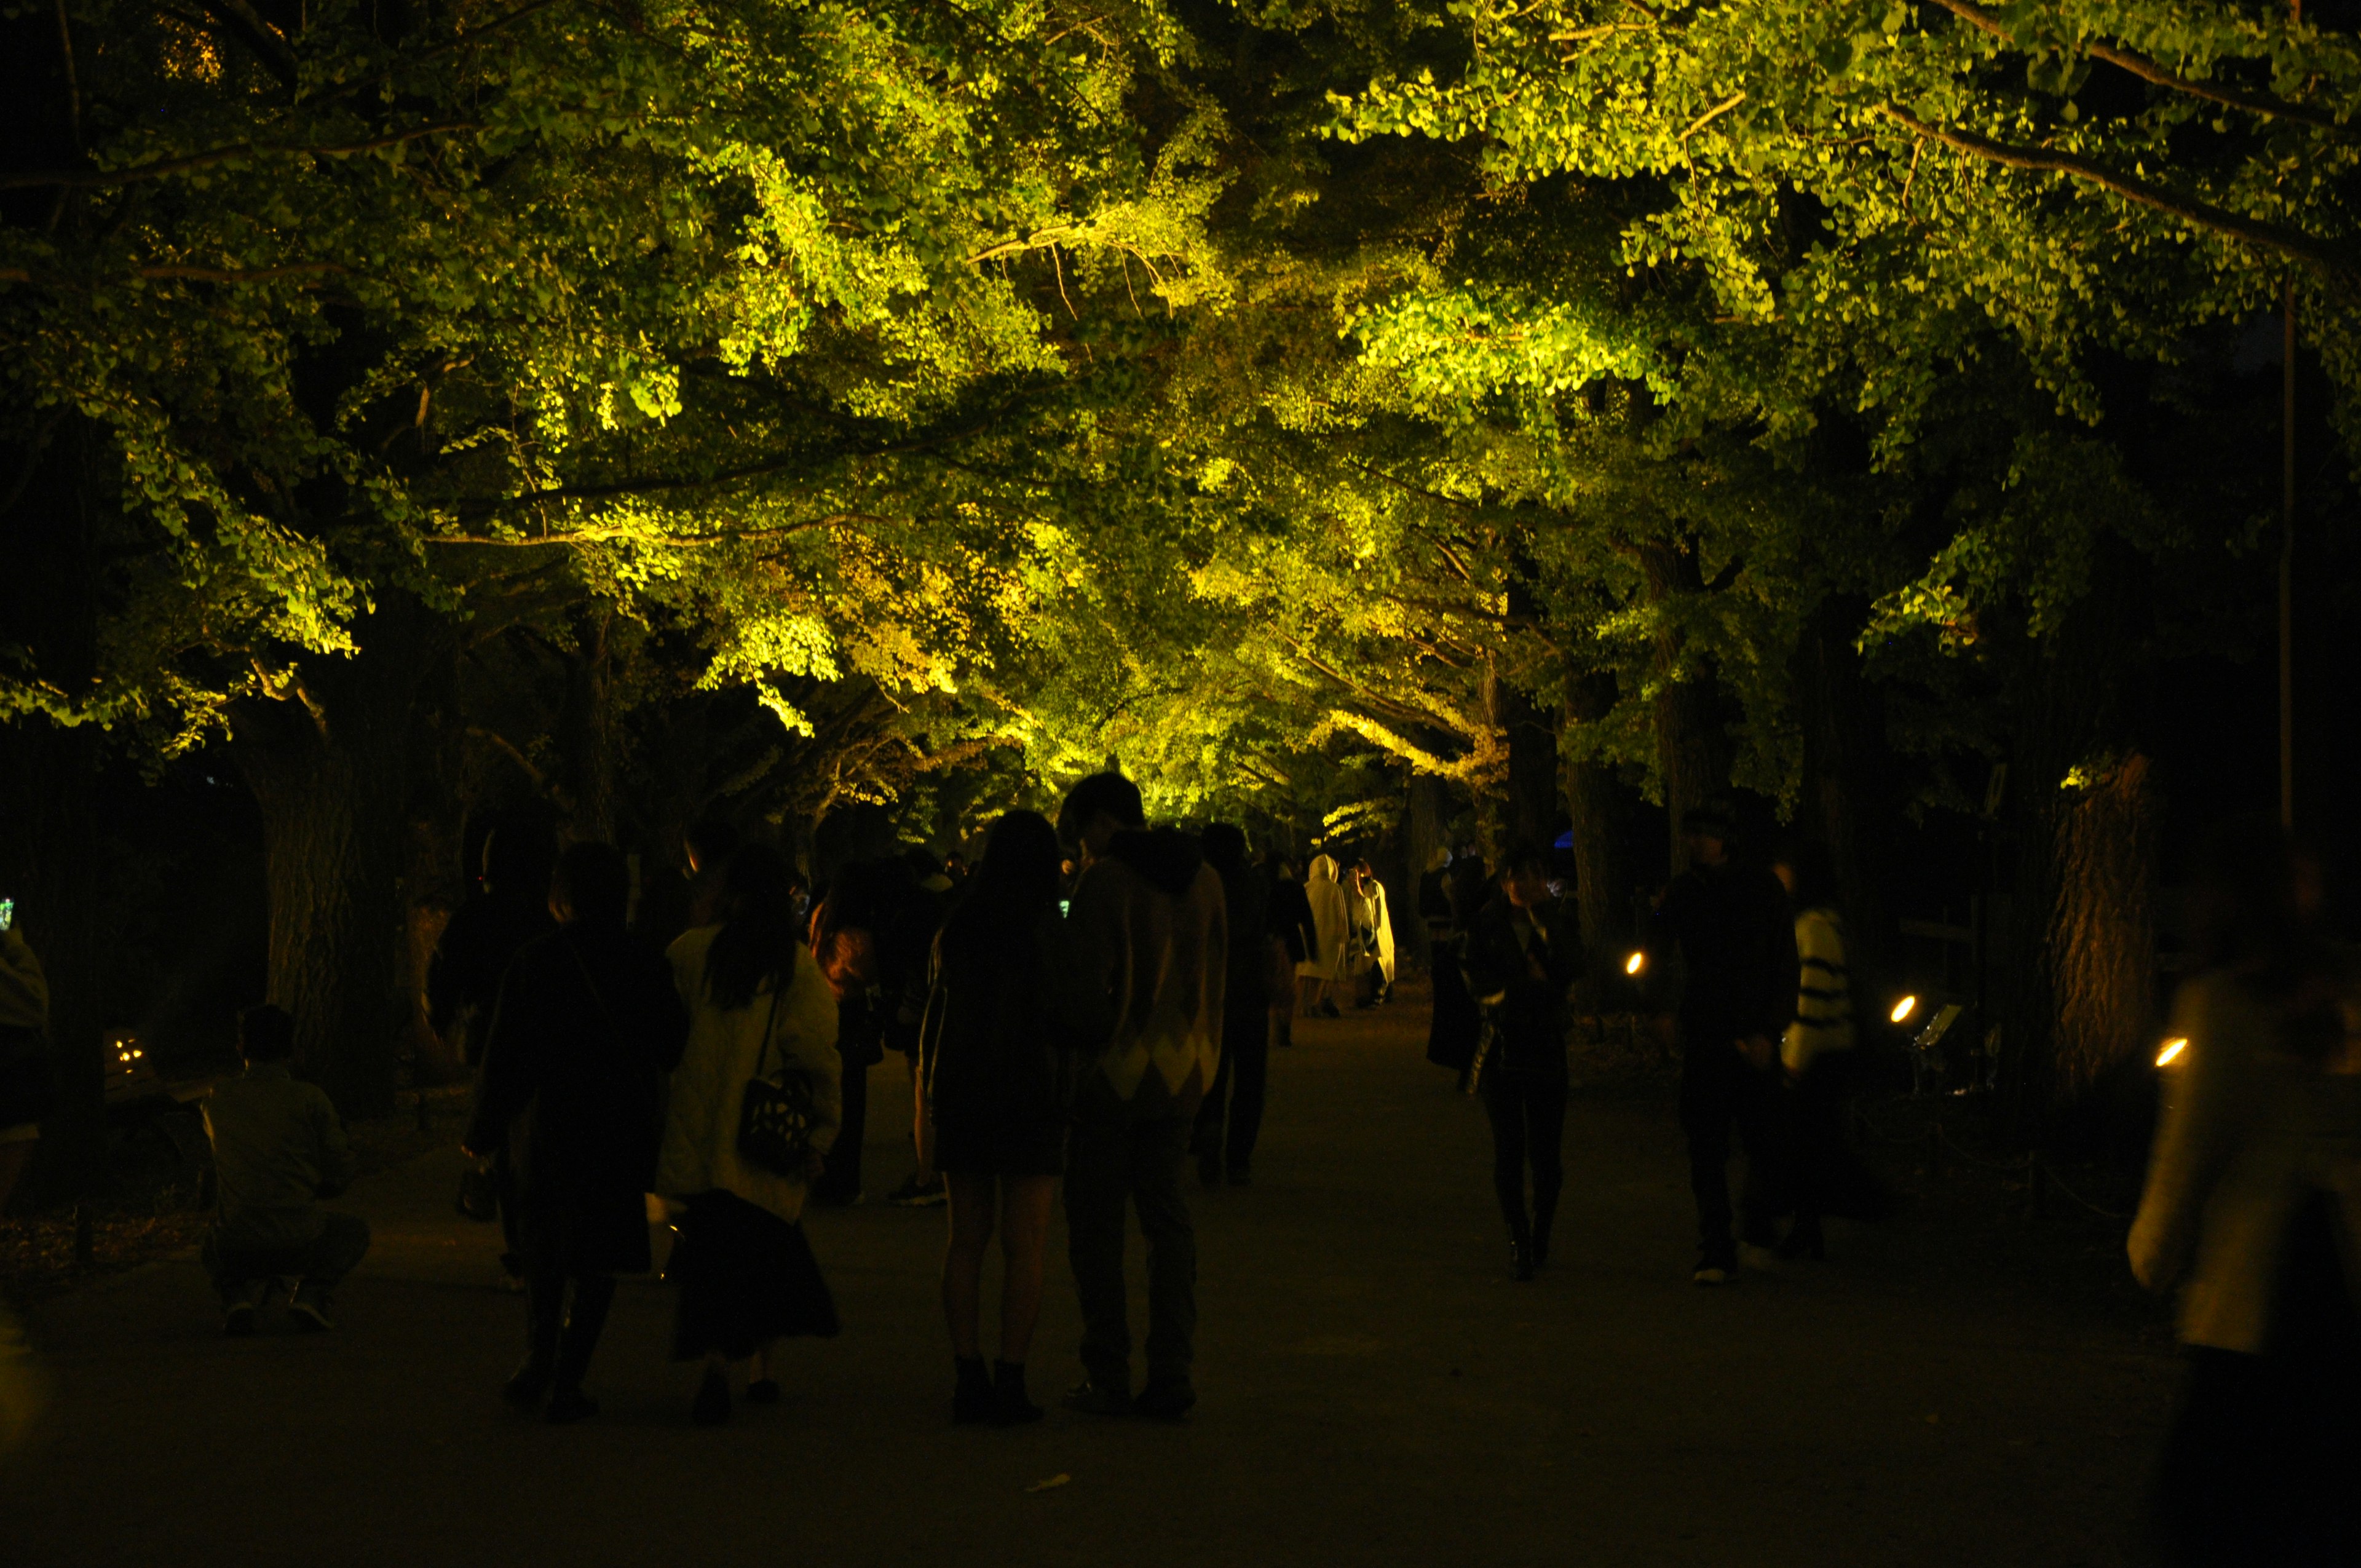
{"x": 1595, "y": 802}
{"x": 1531, "y": 817}
{"x": 1693, "y": 747}
{"x": 2103, "y": 925}
{"x": 331, "y": 771}
{"x": 48, "y": 830}
{"x": 586, "y": 727}
{"x": 1850, "y": 795}
{"x": 1421, "y": 838}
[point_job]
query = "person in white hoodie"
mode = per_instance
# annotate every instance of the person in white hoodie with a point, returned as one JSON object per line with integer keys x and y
{"x": 1371, "y": 947}
{"x": 1332, "y": 919}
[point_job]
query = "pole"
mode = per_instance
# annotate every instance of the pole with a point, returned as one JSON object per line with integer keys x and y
{"x": 2287, "y": 558}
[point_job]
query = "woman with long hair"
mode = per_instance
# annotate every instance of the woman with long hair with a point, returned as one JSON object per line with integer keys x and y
{"x": 2253, "y": 1208}
{"x": 994, "y": 1087}
{"x": 758, "y": 1008}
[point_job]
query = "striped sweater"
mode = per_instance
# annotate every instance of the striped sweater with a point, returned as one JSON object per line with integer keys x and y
{"x": 1824, "y": 995}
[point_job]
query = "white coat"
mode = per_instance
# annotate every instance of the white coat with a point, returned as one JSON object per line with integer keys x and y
{"x": 1331, "y": 920}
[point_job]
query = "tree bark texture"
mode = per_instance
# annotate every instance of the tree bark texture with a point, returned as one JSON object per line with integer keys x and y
{"x": 1421, "y": 836}
{"x": 1693, "y": 745}
{"x": 333, "y": 789}
{"x": 1595, "y": 802}
{"x": 48, "y": 775}
{"x": 2102, "y": 927}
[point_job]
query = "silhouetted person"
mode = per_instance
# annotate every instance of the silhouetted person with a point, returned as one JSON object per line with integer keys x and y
{"x": 1737, "y": 943}
{"x": 998, "y": 1083}
{"x": 1299, "y": 935}
{"x": 759, "y": 1008}
{"x": 872, "y": 933}
{"x": 277, "y": 1148}
{"x": 1523, "y": 955}
{"x": 2253, "y": 1209}
{"x": 586, "y": 1030}
{"x": 707, "y": 847}
{"x": 1143, "y": 983}
{"x": 1230, "y": 1119}
{"x": 1818, "y": 1054}
{"x": 509, "y": 908}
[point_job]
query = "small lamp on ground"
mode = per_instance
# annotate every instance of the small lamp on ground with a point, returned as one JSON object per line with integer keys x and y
{"x": 2172, "y": 1049}
{"x": 1903, "y": 1010}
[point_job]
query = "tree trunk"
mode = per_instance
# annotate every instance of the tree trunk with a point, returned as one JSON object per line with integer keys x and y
{"x": 333, "y": 786}
{"x": 586, "y": 726}
{"x": 1595, "y": 801}
{"x": 1421, "y": 838}
{"x": 1693, "y": 747}
{"x": 1849, "y": 794}
{"x": 2102, "y": 926}
{"x": 48, "y": 777}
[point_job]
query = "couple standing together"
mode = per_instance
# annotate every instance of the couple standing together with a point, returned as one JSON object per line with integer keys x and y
{"x": 1083, "y": 1045}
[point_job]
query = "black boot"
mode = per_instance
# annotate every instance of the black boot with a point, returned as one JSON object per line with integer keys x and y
{"x": 1544, "y": 1219}
{"x": 972, "y": 1401}
{"x": 1011, "y": 1405}
{"x": 585, "y": 1319}
{"x": 1520, "y": 1250}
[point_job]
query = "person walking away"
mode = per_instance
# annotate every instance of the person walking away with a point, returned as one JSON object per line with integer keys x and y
{"x": 1143, "y": 989}
{"x": 27, "y": 1087}
{"x": 760, "y": 1008}
{"x": 586, "y": 1028}
{"x": 1373, "y": 937}
{"x": 1817, "y": 1057}
{"x": 1230, "y": 1119}
{"x": 1737, "y": 943}
{"x": 278, "y": 1149}
{"x": 1332, "y": 922}
{"x": 509, "y": 908}
{"x": 1297, "y": 937}
{"x": 1523, "y": 956}
{"x": 995, "y": 1084}
{"x": 924, "y": 908}
{"x": 2253, "y": 1210}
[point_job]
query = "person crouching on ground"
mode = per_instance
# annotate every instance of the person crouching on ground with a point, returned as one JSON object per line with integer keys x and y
{"x": 995, "y": 1081}
{"x": 759, "y": 1008}
{"x": 585, "y": 1028}
{"x": 1148, "y": 943}
{"x": 1523, "y": 957}
{"x": 277, "y": 1148}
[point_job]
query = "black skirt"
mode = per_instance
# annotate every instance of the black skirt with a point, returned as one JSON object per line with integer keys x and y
{"x": 1034, "y": 1145}
{"x": 746, "y": 1277}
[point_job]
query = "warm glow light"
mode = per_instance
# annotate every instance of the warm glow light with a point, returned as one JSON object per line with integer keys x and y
{"x": 1635, "y": 963}
{"x": 1903, "y": 1009}
{"x": 2172, "y": 1049}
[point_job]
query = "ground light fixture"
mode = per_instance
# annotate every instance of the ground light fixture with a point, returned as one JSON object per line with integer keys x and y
{"x": 2172, "y": 1049}
{"x": 1635, "y": 963}
{"x": 1901, "y": 1010}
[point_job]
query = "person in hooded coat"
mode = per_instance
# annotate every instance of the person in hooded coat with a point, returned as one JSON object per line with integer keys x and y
{"x": 1332, "y": 919}
{"x": 1143, "y": 988}
{"x": 1371, "y": 947}
{"x": 586, "y": 1028}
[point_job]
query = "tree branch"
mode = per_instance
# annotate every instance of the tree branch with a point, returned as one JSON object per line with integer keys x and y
{"x": 597, "y": 535}
{"x": 2147, "y": 69}
{"x": 211, "y": 274}
{"x": 2294, "y": 244}
{"x": 92, "y": 178}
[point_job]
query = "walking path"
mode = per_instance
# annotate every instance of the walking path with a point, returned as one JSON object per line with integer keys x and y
{"x": 1374, "y": 1390}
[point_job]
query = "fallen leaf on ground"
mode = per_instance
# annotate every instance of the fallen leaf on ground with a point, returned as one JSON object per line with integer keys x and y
{"x": 1058, "y": 1480}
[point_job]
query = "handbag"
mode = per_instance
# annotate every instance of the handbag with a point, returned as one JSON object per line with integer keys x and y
{"x": 776, "y": 1119}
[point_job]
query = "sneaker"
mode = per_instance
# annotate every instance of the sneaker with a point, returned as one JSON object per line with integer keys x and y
{"x": 1095, "y": 1399}
{"x": 711, "y": 1406}
{"x": 309, "y": 1310}
{"x": 1762, "y": 1259}
{"x": 1169, "y": 1401}
{"x": 1329, "y": 1010}
{"x": 528, "y": 1385}
{"x": 1710, "y": 1274}
{"x": 917, "y": 1194}
{"x": 238, "y": 1314}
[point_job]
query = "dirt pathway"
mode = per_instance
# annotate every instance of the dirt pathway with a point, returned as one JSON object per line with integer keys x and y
{"x": 1375, "y": 1391}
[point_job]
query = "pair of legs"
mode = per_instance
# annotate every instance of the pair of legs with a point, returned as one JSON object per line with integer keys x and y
{"x": 839, "y": 1182}
{"x": 565, "y": 1315}
{"x": 1528, "y": 1115}
{"x": 1720, "y": 1093}
{"x": 1230, "y": 1119}
{"x": 1119, "y": 1156}
{"x": 1020, "y": 1206}
{"x": 242, "y": 1270}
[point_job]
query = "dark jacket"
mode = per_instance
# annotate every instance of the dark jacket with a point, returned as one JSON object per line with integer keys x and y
{"x": 990, "y": 1057}
{"x": 1145, "y": 969}
{"x": 1527, "y": 1008}
{"x": 1736, "y": 936}
{"x": 463, "y": 980}
{"x": 586, "y": 1029}
{"x": 1246, "y": 996}
{"x": 1289, "y": 917}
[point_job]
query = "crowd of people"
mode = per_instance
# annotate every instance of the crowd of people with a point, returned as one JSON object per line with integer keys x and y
{"x": 1097, "y": 1001}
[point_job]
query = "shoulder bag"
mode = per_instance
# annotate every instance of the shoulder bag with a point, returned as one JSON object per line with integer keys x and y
{"x": 776, "y": 1119}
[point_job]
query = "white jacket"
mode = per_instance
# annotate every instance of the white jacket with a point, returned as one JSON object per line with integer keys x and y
{"x": 726, "y": 1048}
{"x": 1330, "y": 919}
